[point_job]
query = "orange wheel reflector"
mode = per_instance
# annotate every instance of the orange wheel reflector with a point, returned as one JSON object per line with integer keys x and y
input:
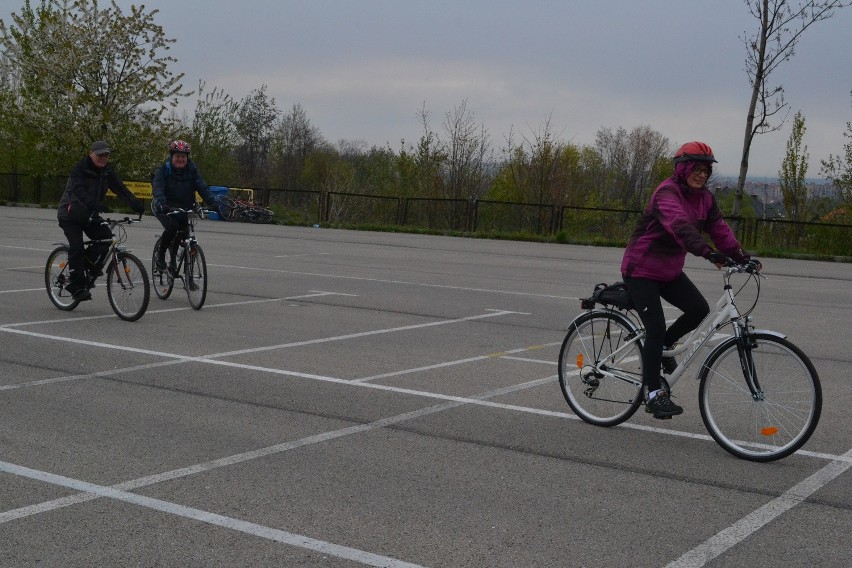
{"x": 580, "y": 361}
{"x": 769, "y": 431}
{"x": 127, "y": 270}
{"x": 61, "y": 265}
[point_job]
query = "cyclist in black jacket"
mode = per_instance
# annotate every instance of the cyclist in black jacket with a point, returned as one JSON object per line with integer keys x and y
{"x": 81, "y": 201}
{"x": 174, "y": 186}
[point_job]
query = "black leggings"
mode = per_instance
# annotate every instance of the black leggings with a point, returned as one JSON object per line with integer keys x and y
{"x": 646, "y": 295}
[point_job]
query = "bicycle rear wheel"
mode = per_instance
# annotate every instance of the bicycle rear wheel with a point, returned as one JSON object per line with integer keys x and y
{"x": 195, "y": 276}
{"x": 163, "y": 280}
{"x": 128, "y": 288}
{"x": 600, "y": 370}
{"x": 56, "y": 277}
{"x": 779, "y": 416}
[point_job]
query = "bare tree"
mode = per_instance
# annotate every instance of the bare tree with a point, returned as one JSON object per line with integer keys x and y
{"x": 535, "y": 162}
{"x": 781, "y": 25}
{"x": 631, "y": 160}
{"x": 468, "y": 152}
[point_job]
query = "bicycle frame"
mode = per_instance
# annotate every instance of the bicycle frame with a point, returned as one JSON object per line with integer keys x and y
{"x": 115, "y": 241}
{"x": 725, "y": 312}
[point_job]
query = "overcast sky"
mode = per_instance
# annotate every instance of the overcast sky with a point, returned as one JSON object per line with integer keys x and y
{"x": 361, "y": 69}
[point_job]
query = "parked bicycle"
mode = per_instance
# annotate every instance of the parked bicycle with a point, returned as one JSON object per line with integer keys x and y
{"x": 759, "y": 395}
{"x": 127, "y": 285}
{"x": 231, "y": 209}
{"x": 188, "y": 265}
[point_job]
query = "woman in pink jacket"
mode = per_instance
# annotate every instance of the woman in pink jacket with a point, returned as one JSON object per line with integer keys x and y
{"x": 680, "y": 210}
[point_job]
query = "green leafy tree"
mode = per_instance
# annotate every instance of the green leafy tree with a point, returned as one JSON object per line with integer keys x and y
{"x": 294, "y": 138}
{"x": 838, "y": 170}
{"x": 254, "y": 123}
{"x": 214, "y": 136}
{"x": 793, "y": 171}
{"x": 89, "y": 73}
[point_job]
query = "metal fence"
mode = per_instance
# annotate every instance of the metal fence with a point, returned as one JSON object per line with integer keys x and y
{"x": 573, "y": 224}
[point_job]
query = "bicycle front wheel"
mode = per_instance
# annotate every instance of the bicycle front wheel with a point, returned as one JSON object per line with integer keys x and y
{"x": 163, "y": 280}
{"x": 600, "y": 368}
{"x": 56, "y": 277}
{"x": 773, "y": 416}
{"x": 195, "y": 276}
{"x": 128, "y": 288}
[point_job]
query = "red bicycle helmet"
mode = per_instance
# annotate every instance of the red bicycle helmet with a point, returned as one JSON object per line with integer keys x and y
{"x": 179, "y": 146}
{"x": 694, "y": 152}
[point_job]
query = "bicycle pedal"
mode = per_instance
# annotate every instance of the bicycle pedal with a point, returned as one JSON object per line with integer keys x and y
{"x": 662, "y": 417}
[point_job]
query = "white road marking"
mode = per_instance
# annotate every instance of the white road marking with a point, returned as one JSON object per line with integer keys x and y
{"x": 751, "y": 523}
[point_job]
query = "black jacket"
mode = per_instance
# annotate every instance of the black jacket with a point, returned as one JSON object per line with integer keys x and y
{"x": 85, "y": 191}
{"x": 177, "y": 187}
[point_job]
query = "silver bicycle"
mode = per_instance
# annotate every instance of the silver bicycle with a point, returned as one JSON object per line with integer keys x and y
{"x": 127, "y": 283}
{"x": 189, "y": 265}
{"x": 760, "y": 396}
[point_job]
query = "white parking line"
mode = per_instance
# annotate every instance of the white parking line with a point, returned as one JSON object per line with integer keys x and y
{"x": 751, "y": 523}
{"x": 120, "y": 491}
{"x": 296, "y": 540}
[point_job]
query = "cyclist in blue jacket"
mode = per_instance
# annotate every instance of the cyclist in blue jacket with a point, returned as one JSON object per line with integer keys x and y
{"x": 175, "y": 185}
{"x": 681, "y": 210}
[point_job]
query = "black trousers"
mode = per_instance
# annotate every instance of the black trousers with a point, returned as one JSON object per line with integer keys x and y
{"x": 78, "y": 258}
{"x": 174, "y": 228}
{"x": 647, "y": 298}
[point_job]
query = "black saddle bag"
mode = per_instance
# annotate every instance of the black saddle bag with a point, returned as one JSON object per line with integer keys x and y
{"x": 614, "y": 295}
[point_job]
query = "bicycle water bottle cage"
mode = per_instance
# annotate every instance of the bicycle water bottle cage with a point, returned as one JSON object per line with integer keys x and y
{"x": 613, "y": 295}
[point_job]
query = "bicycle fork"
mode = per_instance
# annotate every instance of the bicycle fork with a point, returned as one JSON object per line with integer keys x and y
{"x": 745, "y": 345}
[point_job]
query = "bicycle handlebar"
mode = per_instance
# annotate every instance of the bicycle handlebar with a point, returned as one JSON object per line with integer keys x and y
{"x": 126, "y": 220}
{"x": 750, "y": 266}
{"x": 200, "y": 211}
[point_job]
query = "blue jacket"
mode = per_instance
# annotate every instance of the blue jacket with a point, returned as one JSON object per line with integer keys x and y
{"x": 177, "y": 187}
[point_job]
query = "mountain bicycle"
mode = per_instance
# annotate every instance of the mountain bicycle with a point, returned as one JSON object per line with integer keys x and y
{"x": 189, "y": 265}
{"x": 759, "y": 395}
{"x": 128, "y": 288}
{"x": 235, "y": 209}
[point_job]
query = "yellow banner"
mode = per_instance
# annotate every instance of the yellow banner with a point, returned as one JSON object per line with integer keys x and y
{"x": 140, "y": 189}
{"x": 143, "y": 190}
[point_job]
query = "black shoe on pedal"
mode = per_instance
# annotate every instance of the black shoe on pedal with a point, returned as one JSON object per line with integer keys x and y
{"x": 661, "y": 406}
{"x": 82, "y": 295}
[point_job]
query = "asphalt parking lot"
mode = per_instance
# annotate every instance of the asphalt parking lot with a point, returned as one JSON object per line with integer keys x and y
{"x": 354, "y": 399}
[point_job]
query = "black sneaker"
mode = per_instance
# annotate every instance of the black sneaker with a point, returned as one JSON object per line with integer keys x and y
{"x": 669, "y": 364}
{"x": 662, "y": 406}
{"x": 82, "y": 295}
{"x": 161, "y": 264}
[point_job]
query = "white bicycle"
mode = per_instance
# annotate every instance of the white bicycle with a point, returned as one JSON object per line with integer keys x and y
{"x": 760, "y": 396}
